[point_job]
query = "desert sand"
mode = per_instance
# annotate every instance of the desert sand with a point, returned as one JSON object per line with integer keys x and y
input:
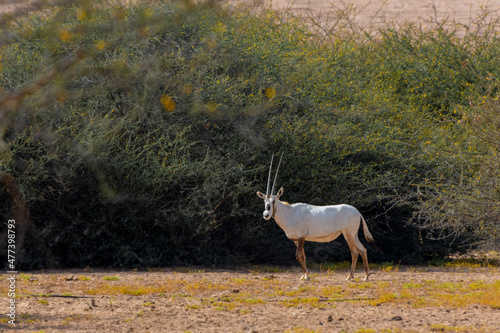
{"x": 252, "y": 300}
{"x": 266, "y": 299}
{"x": 366, "y": 11}
{"x": 400, "y": 10}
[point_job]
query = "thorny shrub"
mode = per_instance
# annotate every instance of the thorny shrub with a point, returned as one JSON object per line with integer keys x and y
{"x": 139, "y": 134}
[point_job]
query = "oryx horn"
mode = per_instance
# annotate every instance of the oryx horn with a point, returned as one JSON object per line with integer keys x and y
{"x": 276, "y": 175}
{"x": 269, "y": 177}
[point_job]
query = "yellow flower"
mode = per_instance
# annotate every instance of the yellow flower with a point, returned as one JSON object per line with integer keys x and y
{"x": 100, "y": 45}
{"x": 270, "y": 92}
{"x": 187, "y": 88}
{"x": 168, "y": 103}
{"x": 64, "y": 35}
{"x": 81, "y": 13}
{"x": 211, "y": 106}
{"x": 148, "y": 12}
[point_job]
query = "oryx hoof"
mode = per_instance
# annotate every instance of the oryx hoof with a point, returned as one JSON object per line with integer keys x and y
{"x": 349, "y": 278}
{"x": 304, "y": 277}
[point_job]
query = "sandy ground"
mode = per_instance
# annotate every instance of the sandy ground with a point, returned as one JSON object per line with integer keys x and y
{"x": 7, "y": 6}
{"x": 389, "y": 10}
{"x": 251, "y": 300}
{"x": 365, "y": 11}
{"x": 246, "y": 300}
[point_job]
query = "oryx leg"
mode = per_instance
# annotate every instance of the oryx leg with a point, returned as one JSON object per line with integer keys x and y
{"x": 301, "y": 257}
{"x": 356, "y": 249}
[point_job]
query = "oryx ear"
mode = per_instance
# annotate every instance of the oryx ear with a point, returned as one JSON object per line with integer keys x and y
{"x": 261, "y": 195}
{"x": 280, "y": 193}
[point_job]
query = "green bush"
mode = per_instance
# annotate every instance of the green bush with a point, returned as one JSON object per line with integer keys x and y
{"x": 139, "y": 135}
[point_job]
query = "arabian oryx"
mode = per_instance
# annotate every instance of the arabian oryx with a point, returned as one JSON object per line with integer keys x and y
{"x": 303, "y": 222}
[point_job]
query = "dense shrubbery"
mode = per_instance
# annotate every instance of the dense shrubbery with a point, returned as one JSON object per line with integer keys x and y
{"x": 149, "y": 129}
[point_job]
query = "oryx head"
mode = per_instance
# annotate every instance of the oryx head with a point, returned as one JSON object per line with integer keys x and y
{"x": 269, "y": 198}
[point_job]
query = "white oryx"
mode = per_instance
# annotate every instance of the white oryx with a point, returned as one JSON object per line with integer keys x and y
{"x": 303, "y": 222}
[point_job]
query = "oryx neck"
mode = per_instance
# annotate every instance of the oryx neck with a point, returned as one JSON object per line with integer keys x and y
{"x": 279, "y": 211}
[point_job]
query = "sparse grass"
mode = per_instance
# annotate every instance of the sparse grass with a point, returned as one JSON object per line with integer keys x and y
{"x": 23, "y": 317}
{"x": 472, "y": 263}
{"x": 257, "y": 269}
{"x": 434, "y": 293}
{"x": 332, "y": 291}
{"x": 445, "y": 328}
{"x": 300, "y": 301}
{"x": 239, "y": 280}
{"x": 203, "y": 285}
{"x": 335, "y": 266}
{"x": 247, "y": 291}
{"x": 75, "y": 318}
{"x": 209, "y": 292}
{"x": 388, "y": 107}
{"x": 301, "y": 290}
{"x": 134, "y": 290}
{"x": 84, "y": 278}
{"x": 389, "y": 267}
{"x": 251, "y": 301}
{"x": 111, "y": 278}
{"x": 362, "y": 285}
{"x": 411, "y": 285}
{"x": 386, "y": 297}
{"x": 300, "y": 329}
